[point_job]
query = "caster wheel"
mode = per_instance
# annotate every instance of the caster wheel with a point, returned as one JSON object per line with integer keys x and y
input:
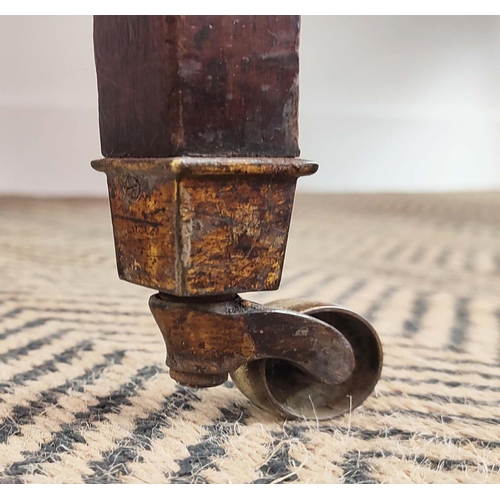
{"x": 281, "y": 387}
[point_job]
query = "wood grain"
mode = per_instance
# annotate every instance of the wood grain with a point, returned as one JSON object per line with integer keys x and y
{"x": 197, "y": 85}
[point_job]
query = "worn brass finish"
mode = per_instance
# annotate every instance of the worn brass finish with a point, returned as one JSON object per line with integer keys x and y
{"x": 201, "y": 230}
{"x": 280, "y": 386}
{"x": 202, "y": 226}
{"x": 215, "y": 338}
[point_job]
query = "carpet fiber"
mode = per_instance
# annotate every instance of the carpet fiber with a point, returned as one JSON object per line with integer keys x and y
{"x": 85, "y": 395}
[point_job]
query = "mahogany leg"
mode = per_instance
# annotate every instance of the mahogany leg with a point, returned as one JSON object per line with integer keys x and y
{"x": 198, "y": 123}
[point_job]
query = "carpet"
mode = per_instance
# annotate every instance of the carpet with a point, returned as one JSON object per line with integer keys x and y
{"x": 85, "y": 396}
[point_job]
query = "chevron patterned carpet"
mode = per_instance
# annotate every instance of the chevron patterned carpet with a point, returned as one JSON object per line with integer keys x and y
{"x": 85, "y": 396}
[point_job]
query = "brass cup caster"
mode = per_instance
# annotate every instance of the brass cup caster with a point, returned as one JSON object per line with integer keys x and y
{"x": 284, "y": 388}
{"x": 202, "y": 230}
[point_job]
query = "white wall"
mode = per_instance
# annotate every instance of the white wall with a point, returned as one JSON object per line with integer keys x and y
{"x": 48, "y": 106}
{"x": 387, "y": 104}
{"x": 401, "y": 103}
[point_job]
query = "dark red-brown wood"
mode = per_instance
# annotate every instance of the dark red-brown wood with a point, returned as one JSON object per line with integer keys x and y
{"x": 197, "y": 85}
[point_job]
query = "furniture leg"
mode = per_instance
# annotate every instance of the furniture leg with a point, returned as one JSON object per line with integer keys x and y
{"x": 198, "y": 124}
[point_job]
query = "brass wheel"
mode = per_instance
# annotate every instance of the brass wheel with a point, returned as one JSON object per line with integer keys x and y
{"x": 281, "y": 387}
